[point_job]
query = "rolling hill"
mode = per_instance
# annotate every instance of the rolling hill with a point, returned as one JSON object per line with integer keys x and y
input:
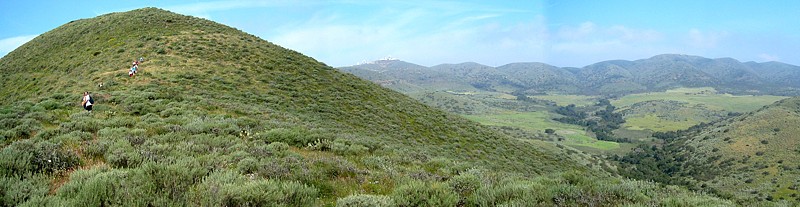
{"x": 613, "y": 77}
{"x": 747, "y": 157}
{"x": 218, "y": 117}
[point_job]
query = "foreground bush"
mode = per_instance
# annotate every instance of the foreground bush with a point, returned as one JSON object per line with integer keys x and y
{"x": 418, "y": 193}
{"x": 364, "y": 200}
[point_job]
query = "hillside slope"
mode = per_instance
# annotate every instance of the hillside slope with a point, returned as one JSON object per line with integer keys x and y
{"x": 759, "y": 149}
{"x": 217, "y": 117}
{"x": 748, "y": 157}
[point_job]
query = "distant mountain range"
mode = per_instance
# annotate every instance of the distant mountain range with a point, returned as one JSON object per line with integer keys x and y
{"x": 613, "y": 77}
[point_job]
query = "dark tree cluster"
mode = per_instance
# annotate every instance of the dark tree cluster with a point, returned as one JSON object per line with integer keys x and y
{"x": 601, "y": 123}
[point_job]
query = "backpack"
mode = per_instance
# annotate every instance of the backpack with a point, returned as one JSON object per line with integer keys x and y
{"x": 91, "y": 100}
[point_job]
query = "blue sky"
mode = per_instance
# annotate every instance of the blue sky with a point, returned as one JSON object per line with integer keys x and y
{"x": 563, "y": 33}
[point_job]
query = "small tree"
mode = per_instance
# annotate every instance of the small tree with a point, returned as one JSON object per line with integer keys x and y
{"x": 550, "y": 131}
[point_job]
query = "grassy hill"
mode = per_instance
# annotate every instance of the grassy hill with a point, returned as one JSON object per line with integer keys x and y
{"x": 747, "y": 157}
{"x": 407, "y": 77}
{"x": 681, "y": 108}
{"x": 759, "y": 150}
{"x": 218, "y": 117}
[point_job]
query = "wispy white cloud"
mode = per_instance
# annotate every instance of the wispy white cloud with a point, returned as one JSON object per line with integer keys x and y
{"x": 9, "y": 44}
{"x": 635, "y": 35}
{"x": 768, "y": 57}
{"x": 427, "y": 35}
{"x": 204, "y": 9}
{"x": 702, "y": 39}
{"x": 588, "y": 39}
{"x": 579, "y": 32}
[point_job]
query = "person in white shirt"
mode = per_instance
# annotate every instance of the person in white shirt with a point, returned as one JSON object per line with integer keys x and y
{"x": 87, "y": 101}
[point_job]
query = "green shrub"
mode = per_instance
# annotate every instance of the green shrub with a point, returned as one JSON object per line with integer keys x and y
{"x": 295, "y": 136}
{"x": 283, "y": 168}
{"x": 247, "y": 165}
{"x": 215, "y": 126}
{"x": 46, "y": 134}
{"x": 508, "y": 192}
{"x": 15, "y": 190}
{"x": 95, "y": 149}
{"x": 269, "y": 193}
{"x": 122, "y": 154}
{"x": 80, "y": 122}
{"x": 209, "y": 191}
{"x": 418, "y": 193}
{"x": 564, "y": 194}
{"x": 72, "y": 137}
{"x": 365, "y": 200}
{"x": 333, "y": 167}
{"x": 465, "y": 184}
{"x": 104, "y": 187}
{"x": 173, "y": 111}
{"x": 120, "y": 121}
{"x": 25, "y": 127}
{"x": 49, "y": 157}
{"x": 50, "y": 104}
{"x": 46, "y": 201}
{"x": 344, "y": 147}
{"x": 278, "y": 149}
{"x": 16, "y": 158}
{"x": 171, "y": 181}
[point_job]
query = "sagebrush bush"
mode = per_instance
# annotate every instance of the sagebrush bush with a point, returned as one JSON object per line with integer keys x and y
{"x": 365, "y": 200}
{"x": 294, "y": 136}
{"x": 15, "y": 190}
{"x": 418, "y": 193}
{"x": 269, "y": 193}
{"x": 247, "y": 165}
{"x": 507, "y": 192}
{"x": 278, "y": 149}
{"x": 345, "y": 147}
{"x": 122, "y": 155}
{"x": 50, "y": 157}
{"x": 45, "y": 201}
{"x": 46, "y": 134}
{"x": 465, "y": 184}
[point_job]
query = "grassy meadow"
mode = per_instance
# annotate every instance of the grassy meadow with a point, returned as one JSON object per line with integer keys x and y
{"x": 538, "y": 121}
{"x": 690, "y": 106}
{"x": 563, "y": 100}
{"x": 706, "y": 97}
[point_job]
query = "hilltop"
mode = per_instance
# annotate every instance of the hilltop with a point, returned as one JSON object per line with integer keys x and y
{"x": 613, "y": 77}
{"x": 218, "y": 117}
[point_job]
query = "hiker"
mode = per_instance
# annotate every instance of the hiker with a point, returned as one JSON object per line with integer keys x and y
{"x": 87, "y": 101}
{"x": 132, "y": 71}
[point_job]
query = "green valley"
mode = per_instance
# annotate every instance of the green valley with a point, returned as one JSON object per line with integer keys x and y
{"x": 660, "y": 132}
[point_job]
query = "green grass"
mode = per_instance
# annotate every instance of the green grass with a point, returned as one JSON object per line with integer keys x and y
{"x": 563, "y": 100}
{"x": 654, "y": 123}
{"x": 693, "y": 106}
{"x": 538, "y": 121}
{"x": 706, "y": 97}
